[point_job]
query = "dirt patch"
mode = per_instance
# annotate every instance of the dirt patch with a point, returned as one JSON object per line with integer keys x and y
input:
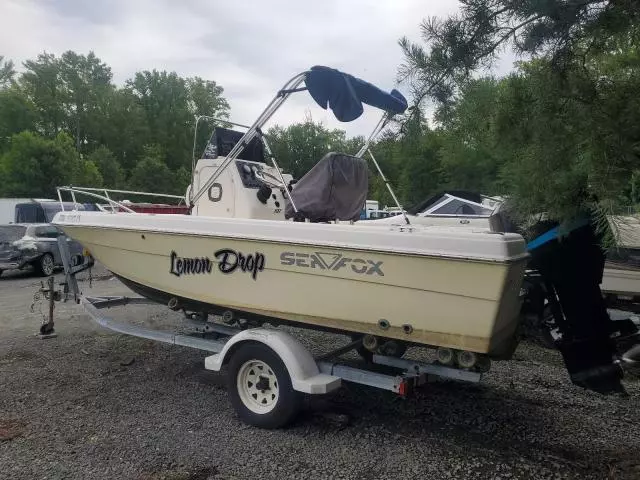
{"x": 10, "y": 429}
{"x": 17, "y": 356}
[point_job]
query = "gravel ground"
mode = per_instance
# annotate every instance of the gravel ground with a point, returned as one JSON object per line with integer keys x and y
{"x": 94, "y": 404}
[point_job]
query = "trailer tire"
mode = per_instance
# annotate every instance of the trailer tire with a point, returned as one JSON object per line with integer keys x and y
{"x": 272, "y": 407}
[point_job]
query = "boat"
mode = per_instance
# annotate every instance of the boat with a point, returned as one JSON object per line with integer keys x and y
{"x": 621, "y": 279}
{"x": 449, "y": 208}
{"x": 461, "y": 208}
{"x": 263, "y": 247}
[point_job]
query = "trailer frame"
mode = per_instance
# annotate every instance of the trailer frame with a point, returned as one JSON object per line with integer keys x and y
{"x": 292, "y": 370}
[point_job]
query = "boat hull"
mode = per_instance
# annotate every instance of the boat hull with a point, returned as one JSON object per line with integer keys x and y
{"x": 419, "y": 298}
{"x": 618, "y": 280}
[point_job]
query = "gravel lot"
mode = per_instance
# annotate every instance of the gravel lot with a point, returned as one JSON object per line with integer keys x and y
{"x": 91, "y": 404}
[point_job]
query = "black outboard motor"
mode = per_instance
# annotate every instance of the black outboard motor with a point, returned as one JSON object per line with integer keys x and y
{"x": 570, "y": 265}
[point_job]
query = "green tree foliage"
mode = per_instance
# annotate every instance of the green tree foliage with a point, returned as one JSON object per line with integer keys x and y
{"x": 462, "y": 44}
{"x": 108, "y": 167}
{"x": 205, "y": 98}
{"x": 181, "y": 180}
{"x": 7, "y": 72}
{"x": 299, "y": 147}
{"x": 471, "y": 153}
{"x": 17, "y": 114}
{"x": 42, "y": 86}
{"x": 88, "y": 174}
{"x": 416, "y": 154}
{"x": 151, "y": 173}
{"x": 84, "y": 79}
{"x": 33, "y": 166}
{"x": 384, "y": 151}
{"x": 108, "y": 125}
{"x": 124, "y": 128}
{"x": 561, "y": 134}
{"x": 170, "y": 104}
{"x": 567, "y": 150}
{"x": 557, "y": 133}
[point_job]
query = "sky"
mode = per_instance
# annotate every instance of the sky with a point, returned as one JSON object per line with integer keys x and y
{"x": 250, "y": 48}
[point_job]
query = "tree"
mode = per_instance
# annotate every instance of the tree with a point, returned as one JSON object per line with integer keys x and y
{"x": 7, "y": 72}
{"x": 470, "y": 154}
{"x": 205, "y": 98}
{"x": 108, "y": 167}
{"x": 181, "y": 180}
{"x": 384, "y": 151}
{"x": 566, "y": 149}
{"x": 170, "y": 103}
{"x": 84, "y": 80}
{"x": 88, "y": 174}
{"x": 34, "y": 166}
{"x": 418, "y": 152}
{"x": 124, "y": 129}
{"x": 42, "y": 86}
{"x": 151, "y": 173}
{"x": 110, "y": 126}
{"x": 566, "y": 124}
{"x": 17, "y": 114}
{"x": 300, "y": 146}
{"x": 460, "y": 45}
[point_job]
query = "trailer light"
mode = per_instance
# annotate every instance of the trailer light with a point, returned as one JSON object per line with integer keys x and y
{"x": 402, "y": 388}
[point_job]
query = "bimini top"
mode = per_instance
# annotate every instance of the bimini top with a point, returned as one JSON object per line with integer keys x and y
{"x": 344, "y": 94}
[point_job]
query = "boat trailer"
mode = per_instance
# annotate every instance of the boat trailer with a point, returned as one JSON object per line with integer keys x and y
{"x": 269, "y": 370}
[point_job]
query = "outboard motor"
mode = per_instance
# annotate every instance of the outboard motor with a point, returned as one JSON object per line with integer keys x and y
{"x": 572, "y": 268}
{"x": 570, "y": 263}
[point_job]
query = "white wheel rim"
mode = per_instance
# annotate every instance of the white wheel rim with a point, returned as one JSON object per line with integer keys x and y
{"x": 252, "y": 377}
{"x": 47, "y": 264}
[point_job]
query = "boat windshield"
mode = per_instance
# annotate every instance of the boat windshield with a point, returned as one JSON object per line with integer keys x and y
{"x": 448, "y": 204}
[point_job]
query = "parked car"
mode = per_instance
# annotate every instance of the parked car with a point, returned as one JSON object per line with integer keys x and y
{"x": 34, "y": 244}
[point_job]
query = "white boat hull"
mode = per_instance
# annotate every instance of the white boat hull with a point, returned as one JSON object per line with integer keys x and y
{"x": 621, "y": 281}
{"x": 616, "y": 279}
{"x": 469, "y": 221}
{"x": 352, "y": 285}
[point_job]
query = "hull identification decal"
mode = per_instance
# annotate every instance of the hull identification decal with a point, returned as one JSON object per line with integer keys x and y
{"x": 331, "y": 261}
{"x": 228, "y": 261}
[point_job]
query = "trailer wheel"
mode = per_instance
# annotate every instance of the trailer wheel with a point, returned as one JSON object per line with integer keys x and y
{"x": 260, "y": 387}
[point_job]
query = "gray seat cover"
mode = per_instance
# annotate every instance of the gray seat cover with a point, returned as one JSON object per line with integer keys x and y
{"x": 334, "y": 189}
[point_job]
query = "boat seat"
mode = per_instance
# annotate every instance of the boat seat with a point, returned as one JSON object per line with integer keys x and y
{"x": 334, "y": 189}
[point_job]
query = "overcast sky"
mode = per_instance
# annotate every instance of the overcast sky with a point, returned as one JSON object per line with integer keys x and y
{"x": 248, "y": 47}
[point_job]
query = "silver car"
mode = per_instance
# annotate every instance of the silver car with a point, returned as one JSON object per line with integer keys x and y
{"x": 36, "y": 245}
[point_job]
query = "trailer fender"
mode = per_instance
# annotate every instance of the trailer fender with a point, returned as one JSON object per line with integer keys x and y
{"x": 302, "y": 368}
